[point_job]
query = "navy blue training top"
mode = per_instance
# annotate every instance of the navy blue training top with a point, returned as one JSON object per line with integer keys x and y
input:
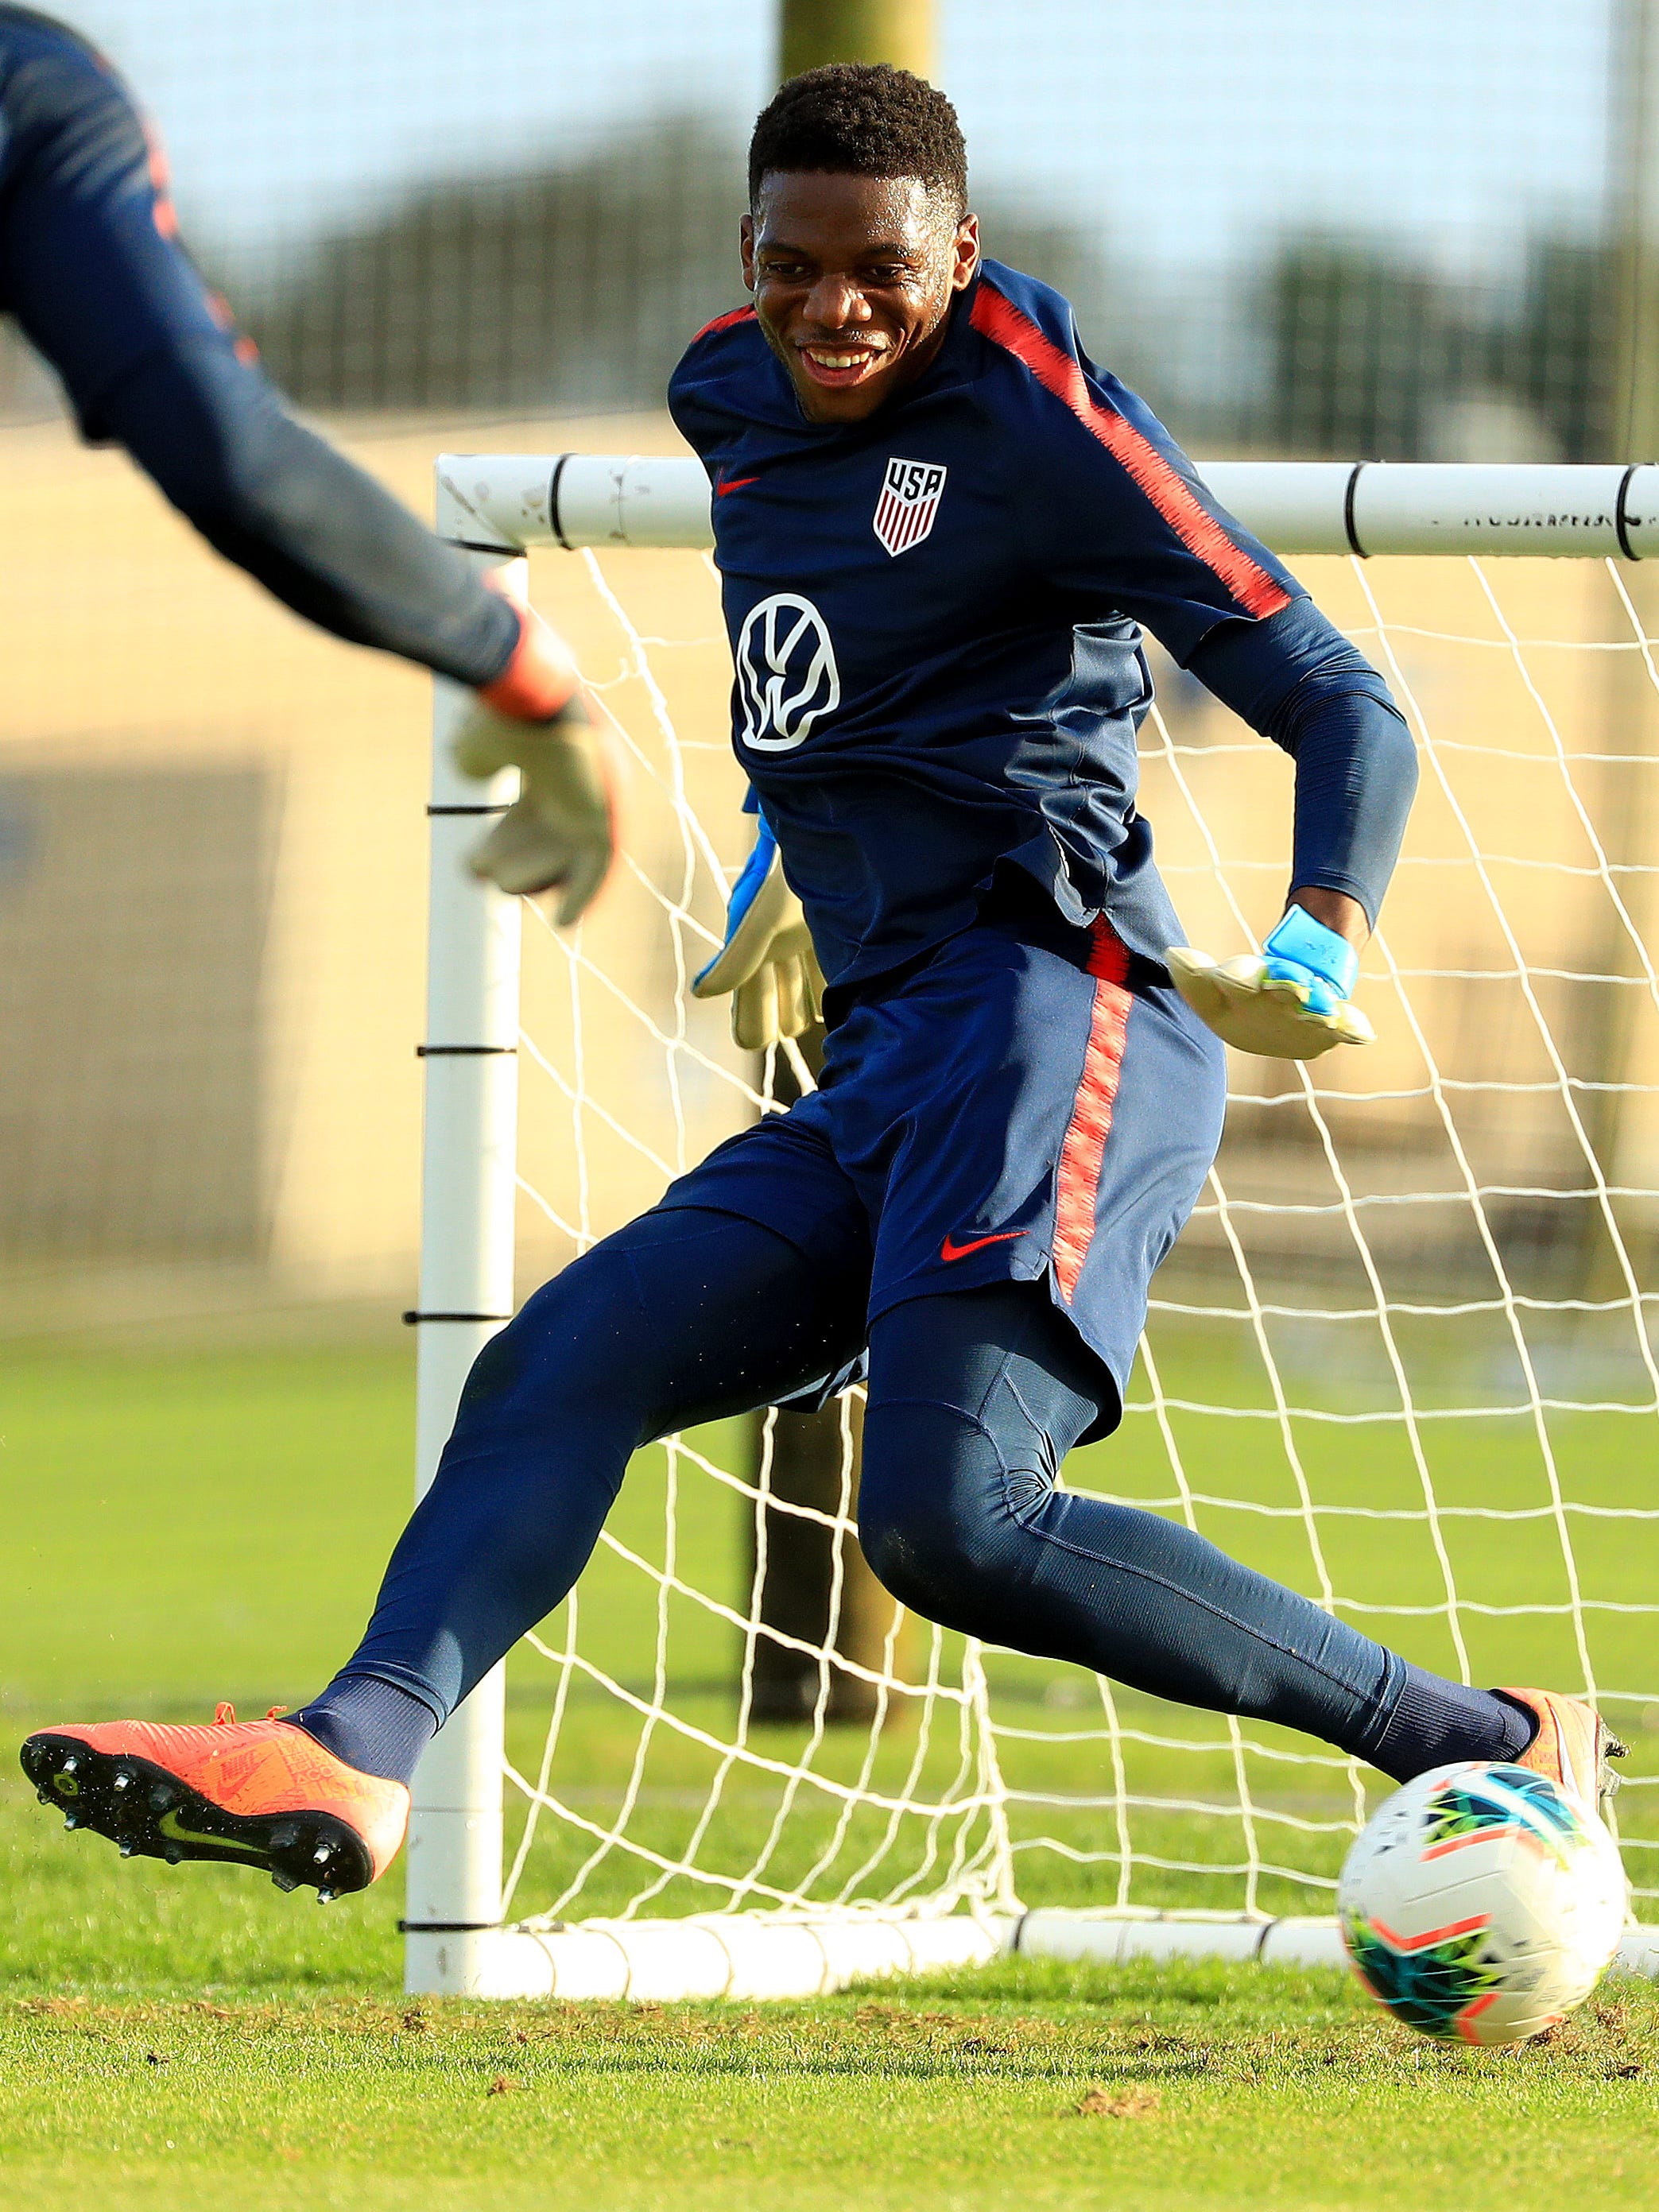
{"x": 936, "y": 621}
{"x": 92, "y": 269}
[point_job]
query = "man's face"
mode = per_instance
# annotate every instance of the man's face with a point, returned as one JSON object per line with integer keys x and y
{"x": 852, "y": 279}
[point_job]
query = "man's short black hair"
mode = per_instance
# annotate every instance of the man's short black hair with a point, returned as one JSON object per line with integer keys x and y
{"x": 862, "y": 120}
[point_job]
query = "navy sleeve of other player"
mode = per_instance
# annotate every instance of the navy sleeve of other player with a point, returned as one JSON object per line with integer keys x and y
{"x": 1298, "y": 680}
{"x": 314, "y": 528}
{"x": 91, "y": 269}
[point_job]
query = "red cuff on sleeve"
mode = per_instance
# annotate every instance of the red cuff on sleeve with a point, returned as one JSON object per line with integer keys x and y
{"x": 540, "y": 678}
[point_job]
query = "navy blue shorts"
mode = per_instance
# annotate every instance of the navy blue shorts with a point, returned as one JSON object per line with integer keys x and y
{"x": 1005, "y": 1111}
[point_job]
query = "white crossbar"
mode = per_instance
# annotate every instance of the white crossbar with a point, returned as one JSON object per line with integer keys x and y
{"x": 511, "y": 501}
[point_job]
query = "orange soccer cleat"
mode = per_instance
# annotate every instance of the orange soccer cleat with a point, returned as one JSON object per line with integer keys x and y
{"x": 256, "y": 1793}
{"x": 1573, "y": 1746}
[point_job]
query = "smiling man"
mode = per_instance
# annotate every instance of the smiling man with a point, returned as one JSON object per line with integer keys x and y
{"x": 853, "y": 278}
{"x": 941, "y": 530}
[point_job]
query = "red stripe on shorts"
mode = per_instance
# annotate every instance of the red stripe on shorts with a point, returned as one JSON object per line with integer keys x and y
{"x": 1083, "y": 1151}
{"x": 997, "y": 318}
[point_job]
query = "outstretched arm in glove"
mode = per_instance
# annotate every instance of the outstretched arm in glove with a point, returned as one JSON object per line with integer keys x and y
{"x": 95, "y": 274}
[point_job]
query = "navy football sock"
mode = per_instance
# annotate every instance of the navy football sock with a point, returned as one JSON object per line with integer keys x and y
{"x": 371, "y": 1725}
{"x": 1436, "y": 1721}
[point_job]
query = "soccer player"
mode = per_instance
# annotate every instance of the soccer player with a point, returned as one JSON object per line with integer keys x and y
{"x": 91, "y": 269}
{"x": 942, "y": 530}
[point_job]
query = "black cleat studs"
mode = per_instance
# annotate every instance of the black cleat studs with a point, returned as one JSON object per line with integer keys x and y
{"x": 148, "y": 1813}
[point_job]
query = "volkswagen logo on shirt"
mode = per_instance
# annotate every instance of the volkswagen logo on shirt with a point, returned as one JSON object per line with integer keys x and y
{"x": 787, "y": 679}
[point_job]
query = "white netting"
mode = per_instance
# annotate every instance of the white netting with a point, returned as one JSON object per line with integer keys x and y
{"x": 1401, "y": 1358}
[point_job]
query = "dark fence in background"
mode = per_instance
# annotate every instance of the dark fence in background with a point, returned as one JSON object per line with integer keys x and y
{"x": 573, "y": 287}
{"x": 577, "y": 287}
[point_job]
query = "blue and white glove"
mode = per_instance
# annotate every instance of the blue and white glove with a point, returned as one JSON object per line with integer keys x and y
{"x": 767, "y": 961}
{"x": 1294, "y": 1005}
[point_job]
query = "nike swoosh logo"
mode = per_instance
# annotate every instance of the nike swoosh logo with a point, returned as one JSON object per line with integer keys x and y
{"x": 950, "y": 1249}
{"x": 174, "y": 1828}
{"x": 733, "y": 484}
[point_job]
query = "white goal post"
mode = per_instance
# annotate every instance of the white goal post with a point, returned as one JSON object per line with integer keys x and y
{"x": 498, "y": 506}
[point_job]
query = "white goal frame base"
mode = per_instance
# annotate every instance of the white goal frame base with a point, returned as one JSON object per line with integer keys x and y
{"x": 754, "y": 1955}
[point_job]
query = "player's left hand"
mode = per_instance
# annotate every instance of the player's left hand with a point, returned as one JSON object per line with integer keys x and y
{"x": 767, "y": 961}
{"x": 1294, "y": 1005}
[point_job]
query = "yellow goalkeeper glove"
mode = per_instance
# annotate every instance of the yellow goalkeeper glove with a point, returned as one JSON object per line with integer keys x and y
{"x": 1294, "y": 1005}
{"x": 558, "y": 835}
{"x": 767, "y": 961}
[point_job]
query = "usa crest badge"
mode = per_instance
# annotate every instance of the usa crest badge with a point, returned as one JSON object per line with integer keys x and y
{"x": 909, "y": 501}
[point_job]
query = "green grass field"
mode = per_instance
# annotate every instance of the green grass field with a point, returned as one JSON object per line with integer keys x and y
{"x": 185, "y": 1526}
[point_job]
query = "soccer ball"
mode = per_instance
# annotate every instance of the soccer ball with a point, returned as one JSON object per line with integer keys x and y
{"x": 1481, "y": 1903}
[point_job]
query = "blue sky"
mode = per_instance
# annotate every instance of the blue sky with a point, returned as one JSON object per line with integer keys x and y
{"x": 1185, "y": 129}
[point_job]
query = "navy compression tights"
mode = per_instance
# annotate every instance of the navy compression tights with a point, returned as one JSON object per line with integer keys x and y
{"x": 975, "y": 1398}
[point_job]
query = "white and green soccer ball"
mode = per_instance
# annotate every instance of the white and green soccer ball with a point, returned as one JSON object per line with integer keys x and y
{"x": 1481, "y": 1903}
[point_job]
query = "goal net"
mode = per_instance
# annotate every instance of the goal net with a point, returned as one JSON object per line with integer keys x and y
{"x": 1402, "y": 1358}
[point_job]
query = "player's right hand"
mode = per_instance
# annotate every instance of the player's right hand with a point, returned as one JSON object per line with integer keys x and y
{"x": 558, "y": 835}
{"x": 767, "y": 961}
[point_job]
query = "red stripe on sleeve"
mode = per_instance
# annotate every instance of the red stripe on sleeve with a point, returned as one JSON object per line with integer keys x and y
{"x": 725, "y": 322}
{"x": 1083, "y": 1154}
{"x": 996, "y": 317}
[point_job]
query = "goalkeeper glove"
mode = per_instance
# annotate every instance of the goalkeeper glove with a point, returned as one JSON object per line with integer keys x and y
{"x": 1293, "y": 1005}
{"x": 767, "y": 961}
{"x": 557, "y": 836}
